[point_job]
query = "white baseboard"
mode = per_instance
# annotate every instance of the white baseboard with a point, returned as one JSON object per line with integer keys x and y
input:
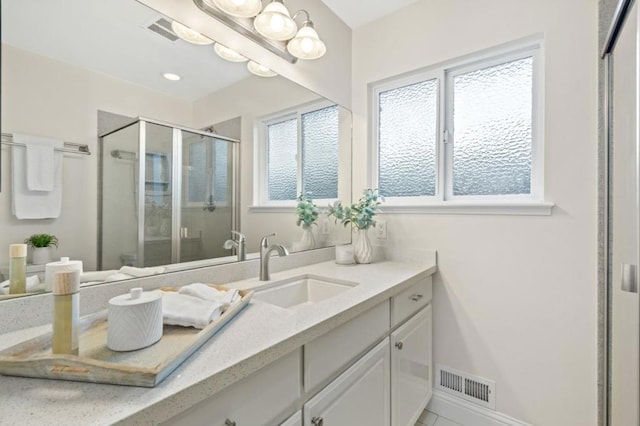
{"x": 467, "y": 413}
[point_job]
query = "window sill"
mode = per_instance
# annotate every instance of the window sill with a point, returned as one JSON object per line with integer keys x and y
{"x": 540, "y": 208}
{"x": 272, "y": 209}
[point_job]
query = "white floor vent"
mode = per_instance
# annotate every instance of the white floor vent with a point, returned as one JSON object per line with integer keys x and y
{"x": 471, "y": 388}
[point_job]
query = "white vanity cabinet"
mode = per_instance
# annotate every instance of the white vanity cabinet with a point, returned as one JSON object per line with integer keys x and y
{"x": 411, "y": 368}
{"x": 263, "y": 398}
{"x": 295, "y": 420}
{"x": 359, "y": 396}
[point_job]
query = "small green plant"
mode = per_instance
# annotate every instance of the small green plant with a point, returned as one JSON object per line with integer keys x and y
{"x": 307, "y": 211}
{"x": 42, "y": 240}
{"x": 359, "y": 215}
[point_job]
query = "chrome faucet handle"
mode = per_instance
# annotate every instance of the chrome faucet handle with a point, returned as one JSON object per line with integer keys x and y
{"x": 264, "y": 242}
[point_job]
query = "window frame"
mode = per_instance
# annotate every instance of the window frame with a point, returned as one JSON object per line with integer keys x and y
{"x": 444, "y": 201}
{"x": 261, "y": 179}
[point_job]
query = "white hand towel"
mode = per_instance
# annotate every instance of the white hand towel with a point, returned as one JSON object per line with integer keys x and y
{"x": 205, "y": 292}
{"x": 118, "y": 277}
{"x": 33, "y": 285}
{"x": 141, "y": 272}
{"x": 40, "y": 161}
{"x": 28, "y": 204}
{"x": 188, "y": 311}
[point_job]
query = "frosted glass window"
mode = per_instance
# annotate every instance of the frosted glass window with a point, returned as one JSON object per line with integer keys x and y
{"x": 407, "y": 140}
{"x": 221, "y": 170}
{"x": 492, "y": 125}
{"x": 320, "y": 153}
{"x": 282, "y": 146}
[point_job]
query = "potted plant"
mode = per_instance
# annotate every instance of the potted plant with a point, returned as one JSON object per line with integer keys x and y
{"x": 361, "y": 217}
{"x": 41, "y": 245}
{"x": 307, "y": 213}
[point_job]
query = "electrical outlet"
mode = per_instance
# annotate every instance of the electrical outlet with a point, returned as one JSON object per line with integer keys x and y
{"x": 325, "y": 227}
{"x": 381, "y": 230}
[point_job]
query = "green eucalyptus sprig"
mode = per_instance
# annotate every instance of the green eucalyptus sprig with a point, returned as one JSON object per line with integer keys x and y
{"x": 42, "y": 240}
{"x": 360, "y": 215}
{"x": 307, "y": 211}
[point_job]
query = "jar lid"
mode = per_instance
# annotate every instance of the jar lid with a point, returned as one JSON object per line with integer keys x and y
{"x": 66, "y": 282}
{"x": 17, "y": 250}
{"x": 135, "y": 297}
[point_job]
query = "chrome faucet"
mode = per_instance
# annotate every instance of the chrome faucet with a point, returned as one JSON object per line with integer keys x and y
{"x": 239, "y": 245}
{"x": 265, "y": 253}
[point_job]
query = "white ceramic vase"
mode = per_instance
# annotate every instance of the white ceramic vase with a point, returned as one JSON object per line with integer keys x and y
{"x": 308, "y": 241}
{"x": 41, "y": 255}
{"x": 362, "y": 250}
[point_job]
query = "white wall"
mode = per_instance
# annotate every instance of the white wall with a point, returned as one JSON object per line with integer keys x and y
{"x": 46, "y": 97}
{"x": 515, "y": 297}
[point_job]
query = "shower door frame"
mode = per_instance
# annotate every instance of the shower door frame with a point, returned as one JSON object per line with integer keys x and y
{"x": 176, "y": 183}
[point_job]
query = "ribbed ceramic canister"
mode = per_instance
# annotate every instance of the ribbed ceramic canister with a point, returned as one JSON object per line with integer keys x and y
{"x": 134, "y": 320}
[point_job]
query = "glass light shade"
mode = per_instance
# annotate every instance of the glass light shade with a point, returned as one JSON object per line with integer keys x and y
{"x": 306, "y": 44}
{"x": 238, "y": 8}
{"x": 260, "y": 70}
{"x": 187, "y": 34}
{"x": 275, "y": 22}
{"x": 228, "y": 54}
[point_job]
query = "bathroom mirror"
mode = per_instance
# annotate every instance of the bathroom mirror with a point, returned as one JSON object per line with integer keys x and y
{"x": 76, "y": 69}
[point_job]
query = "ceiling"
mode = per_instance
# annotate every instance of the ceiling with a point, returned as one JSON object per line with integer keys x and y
{"x": 112, "y": 38}
{"x": 357, "y": 13}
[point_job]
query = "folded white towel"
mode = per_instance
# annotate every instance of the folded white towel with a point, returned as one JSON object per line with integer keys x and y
{"x": 96, "y": 275}
{"x": 118, "y": 277}
{"x": 188, "y": 311}
{"x": 141, "y": 272}
{"x": 26, "y": 203}
{"x": 205, "y": 292}
{"x": 33, "y": 285}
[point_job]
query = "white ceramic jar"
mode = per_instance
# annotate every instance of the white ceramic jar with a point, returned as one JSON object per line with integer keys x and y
{"x": 134, "y": 320}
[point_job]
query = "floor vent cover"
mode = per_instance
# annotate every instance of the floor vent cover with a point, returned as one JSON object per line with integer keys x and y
{"x": 163, "y": 28}
{"x": 472, "y": 388}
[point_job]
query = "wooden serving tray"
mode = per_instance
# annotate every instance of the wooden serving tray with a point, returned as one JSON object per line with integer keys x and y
{"x": 98, "y": 364}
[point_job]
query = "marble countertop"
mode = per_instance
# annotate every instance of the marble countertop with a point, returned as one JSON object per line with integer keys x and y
{"x": 259, "y": 335}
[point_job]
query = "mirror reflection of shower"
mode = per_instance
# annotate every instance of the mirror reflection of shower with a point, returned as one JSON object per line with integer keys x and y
{"x": 175, "y": 206}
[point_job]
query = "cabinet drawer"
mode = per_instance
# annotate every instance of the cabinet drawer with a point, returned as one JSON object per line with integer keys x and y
{"x": 263, "y": 398}
{"x": 327, "y": 354}
{"x": 410, "y": 301}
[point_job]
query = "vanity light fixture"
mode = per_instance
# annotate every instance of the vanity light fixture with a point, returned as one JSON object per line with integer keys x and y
{"x": 237, "y": 8}
{"x": 189, "y": 35}
{"x": 275, "y": 22}
{"x": 228, "y": 54}
{"x": 306, "y": 44}
{"x": 260, "y": 70}
{"x": 171, "y": 76}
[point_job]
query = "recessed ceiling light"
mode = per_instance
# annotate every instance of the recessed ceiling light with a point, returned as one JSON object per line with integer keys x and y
{"x": 171, "y": 76}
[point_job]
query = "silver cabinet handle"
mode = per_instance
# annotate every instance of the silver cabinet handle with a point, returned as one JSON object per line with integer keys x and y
{"x": 416, "y": 297}
{"x": 399, "y": 345}
{"x": 317, "y": 421}
{"x": 628, "y": 277}
{"x": 229, "y": 423}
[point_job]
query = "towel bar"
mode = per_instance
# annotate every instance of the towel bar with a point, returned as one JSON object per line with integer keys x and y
{"x": 75, "y": 148}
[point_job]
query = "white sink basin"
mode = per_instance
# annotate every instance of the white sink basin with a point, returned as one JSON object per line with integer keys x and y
{"x": 305, "y": 289}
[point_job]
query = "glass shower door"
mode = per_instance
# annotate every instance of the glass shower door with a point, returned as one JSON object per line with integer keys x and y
{"x": 207, "y": 208}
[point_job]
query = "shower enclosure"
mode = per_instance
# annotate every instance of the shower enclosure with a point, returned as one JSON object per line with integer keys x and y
{"x": 167, "y": 195}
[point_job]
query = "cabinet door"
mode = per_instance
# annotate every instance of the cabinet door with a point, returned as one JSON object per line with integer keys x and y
{"x": 295, "y": 420}
{"x": 411, "y": 369}
{"x": 359, "y": 396}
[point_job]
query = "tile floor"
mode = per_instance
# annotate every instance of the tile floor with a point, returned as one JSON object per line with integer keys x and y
{"x": 430, "y": 419}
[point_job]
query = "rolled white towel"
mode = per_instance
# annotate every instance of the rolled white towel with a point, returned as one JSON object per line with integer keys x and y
{"x": 141, "y": 272}
{"x": 188, "y": 311}
{"x": 96, "y": 275}
{"x": 205, "y": 292}
{"x": 33, "y": 285}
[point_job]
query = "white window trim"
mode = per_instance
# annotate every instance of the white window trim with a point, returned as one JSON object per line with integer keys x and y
{"x": 261, "y": 202}
{"x": 444, "y": 201}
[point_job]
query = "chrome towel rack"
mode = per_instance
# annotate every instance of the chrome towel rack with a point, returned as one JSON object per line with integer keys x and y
{"x": 74, "y": 148}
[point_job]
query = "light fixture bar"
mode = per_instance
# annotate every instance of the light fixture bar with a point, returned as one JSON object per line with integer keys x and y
{"x": 244, "y": 26}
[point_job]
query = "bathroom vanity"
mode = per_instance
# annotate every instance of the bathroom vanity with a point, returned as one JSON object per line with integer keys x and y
{"x": 360, "y": 356}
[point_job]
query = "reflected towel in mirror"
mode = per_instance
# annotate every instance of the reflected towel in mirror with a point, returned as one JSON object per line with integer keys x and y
{"x": 33, "y": 285}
